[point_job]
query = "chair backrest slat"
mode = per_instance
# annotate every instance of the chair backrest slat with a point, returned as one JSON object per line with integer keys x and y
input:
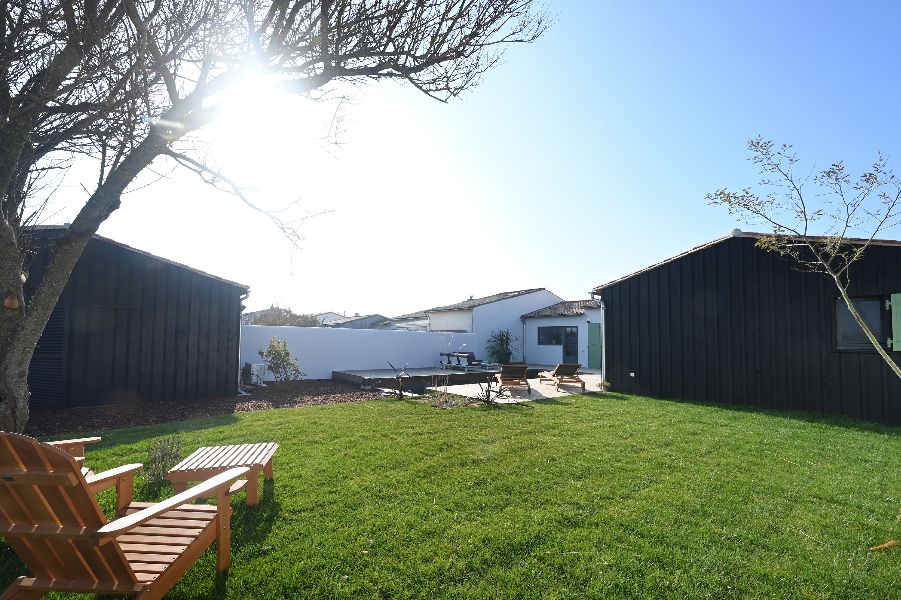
{"x": 514, "y": 371}
{"x": 52, "y": 501}
{"x": 567, "y": 369}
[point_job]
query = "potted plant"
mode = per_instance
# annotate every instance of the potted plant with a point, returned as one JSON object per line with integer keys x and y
{"x": 604, "y": 386}
{"x": 500, "y": 346}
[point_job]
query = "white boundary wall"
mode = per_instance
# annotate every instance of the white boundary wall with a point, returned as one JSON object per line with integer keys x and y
{"x": 321, "y": 350}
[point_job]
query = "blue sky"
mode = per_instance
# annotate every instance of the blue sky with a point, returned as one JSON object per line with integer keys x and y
{"x": 583, "y": 157}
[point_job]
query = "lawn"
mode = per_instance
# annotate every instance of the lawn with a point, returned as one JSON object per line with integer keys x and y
{"x": 585, "y": 496}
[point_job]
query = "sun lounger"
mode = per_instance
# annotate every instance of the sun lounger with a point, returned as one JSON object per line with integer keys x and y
{"x": 562, "y": 374}
{"x": 514, "y": 376}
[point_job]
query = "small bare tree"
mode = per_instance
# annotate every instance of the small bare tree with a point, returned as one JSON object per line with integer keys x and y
{"x": 277, "y": 316}
{"x": 823, "y": 232}
{"x": 124, "y": 83}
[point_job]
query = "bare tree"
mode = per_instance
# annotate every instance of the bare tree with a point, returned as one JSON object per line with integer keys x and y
{"x": 822, "y": 232}
{"x": 275, "y": 315}
{"x": 125, "y": 82}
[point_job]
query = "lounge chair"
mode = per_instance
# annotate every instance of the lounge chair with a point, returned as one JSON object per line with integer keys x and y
{"x": 514, "y": 376}
{"x": 51, "y": 519}
{"x": 75, "y": 448}
{"x": 563, "y": 373}
{"x": 472, "y": 361}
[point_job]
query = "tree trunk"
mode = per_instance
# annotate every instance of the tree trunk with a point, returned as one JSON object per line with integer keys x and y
{"x": 866, "y": 330}
{"x": 20, "y": 329}
{"x": 14, "y": 391}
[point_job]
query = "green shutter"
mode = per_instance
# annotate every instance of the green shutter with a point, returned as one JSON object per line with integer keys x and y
{"x": 896, "y": 322}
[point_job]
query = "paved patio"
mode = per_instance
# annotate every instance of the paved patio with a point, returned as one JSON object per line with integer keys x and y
{"x": 539, "y": 390}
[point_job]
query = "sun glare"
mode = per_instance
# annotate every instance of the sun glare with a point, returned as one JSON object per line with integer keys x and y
{"x": 267, "y": 138}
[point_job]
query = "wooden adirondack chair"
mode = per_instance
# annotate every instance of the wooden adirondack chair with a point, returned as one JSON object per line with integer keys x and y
{"x": 50, "y": 518}
{"x": 513, "y": 375}
{"x": 75, "y": 448}
{"x": 563, "y": 373}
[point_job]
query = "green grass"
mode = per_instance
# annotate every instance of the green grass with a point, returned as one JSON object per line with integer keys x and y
{"x": 585, "y": 496}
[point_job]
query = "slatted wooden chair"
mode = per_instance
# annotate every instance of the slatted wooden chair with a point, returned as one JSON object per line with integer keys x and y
{"x": 50, "y": 518}
{"x": 513, "y": 376}
{"x": 562, "y": 374}
{"x": 75, "y": 448}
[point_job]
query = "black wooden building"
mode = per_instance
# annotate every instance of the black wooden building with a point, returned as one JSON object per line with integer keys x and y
{"x": 131, "y": 326}
{"x": 729, "y": 323}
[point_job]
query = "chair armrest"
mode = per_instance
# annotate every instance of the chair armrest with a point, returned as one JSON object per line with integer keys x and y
{"x": 82, "y": 441}
{"x": 217, "y": 483}
{"x": 107, "y": 479}
{"x": 74, "y": 447}
{"x": 78, "y": 441}
{"x": 123, "y": 478}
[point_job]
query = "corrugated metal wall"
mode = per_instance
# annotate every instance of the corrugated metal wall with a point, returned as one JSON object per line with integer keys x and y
{"x": 733, "y": 324}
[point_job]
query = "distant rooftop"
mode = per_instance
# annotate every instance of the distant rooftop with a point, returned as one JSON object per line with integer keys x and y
{"x": 410, "y": 316}
{"x": 467, "y": 304}
{"x": 567, "y": 308}
{"x": 474, "y": 302}
{"x": 346, "y": 320}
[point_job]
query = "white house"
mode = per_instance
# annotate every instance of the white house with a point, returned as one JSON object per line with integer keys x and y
{"x": 488, "y": 314}
{"x": 565, "y": 332}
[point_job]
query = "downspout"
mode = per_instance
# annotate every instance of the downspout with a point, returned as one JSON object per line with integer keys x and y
{"x": 595, "y": 296}
{"x": 523, "y": 340}
{"x": 238, "y": 390}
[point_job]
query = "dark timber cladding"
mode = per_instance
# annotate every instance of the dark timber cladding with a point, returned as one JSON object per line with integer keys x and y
{"x": 730, "y": 323}
{"x": 130, "y": 326}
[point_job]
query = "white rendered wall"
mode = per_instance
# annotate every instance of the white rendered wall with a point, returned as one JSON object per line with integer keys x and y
{"x": 321, "y": 350}
{"x": 505, "y": 314}
{"x": 451, "y": 320}
{"x": 552, "y": 355}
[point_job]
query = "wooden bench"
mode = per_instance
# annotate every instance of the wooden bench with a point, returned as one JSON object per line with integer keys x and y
{"x": 212, "y": 460}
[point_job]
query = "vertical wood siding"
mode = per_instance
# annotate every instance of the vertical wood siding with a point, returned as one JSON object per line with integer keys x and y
{"x": 731, "y": 324}
{"x": 138, "y": 329}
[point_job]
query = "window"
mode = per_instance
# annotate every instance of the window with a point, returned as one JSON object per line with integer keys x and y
{"x": 550, "y": 336}
{"x": 848, "y": 334}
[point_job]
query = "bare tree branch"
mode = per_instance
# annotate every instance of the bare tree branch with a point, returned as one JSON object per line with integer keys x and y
{"x": 830, "y": 238}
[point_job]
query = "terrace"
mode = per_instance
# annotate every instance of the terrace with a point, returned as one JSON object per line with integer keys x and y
{"x": 462, "y": 382}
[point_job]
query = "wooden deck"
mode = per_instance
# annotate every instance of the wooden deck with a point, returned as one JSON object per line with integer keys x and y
{"x": 426, "y": 377}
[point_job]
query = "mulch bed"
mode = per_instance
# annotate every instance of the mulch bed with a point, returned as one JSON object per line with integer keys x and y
{"x": 275, "y": 395}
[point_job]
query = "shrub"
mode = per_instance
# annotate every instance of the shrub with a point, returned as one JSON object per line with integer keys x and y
{"x": 279, "y": 362}
{"x": 500, "y": 346}
{"x": 162, "y": 454}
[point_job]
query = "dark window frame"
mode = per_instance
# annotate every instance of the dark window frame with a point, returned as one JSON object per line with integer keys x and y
{"x": 558, "y": 337}
{"x": 880, "y": 330}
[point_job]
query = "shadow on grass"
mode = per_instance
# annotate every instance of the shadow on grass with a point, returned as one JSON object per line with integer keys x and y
{"x": 606, "y": 395}
{"x": 561, "y": 400}
{"x": 551, "y": 401}
{"x": 250, "y": 526}
{"x": 11, "y": 566}
{"x": 808, "y": 417}
{"x": 139, "y": 433}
